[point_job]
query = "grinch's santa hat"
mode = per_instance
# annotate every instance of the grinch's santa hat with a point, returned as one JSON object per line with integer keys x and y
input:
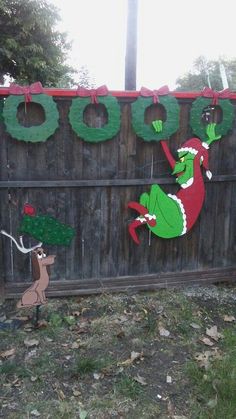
{"x": 200, "y": 150}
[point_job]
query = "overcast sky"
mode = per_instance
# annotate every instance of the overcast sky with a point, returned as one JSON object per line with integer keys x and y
{"x": 171, "y": 35}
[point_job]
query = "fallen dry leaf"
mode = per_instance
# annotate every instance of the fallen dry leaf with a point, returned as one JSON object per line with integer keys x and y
{"x": 212, "y": 403}
{"x": 204, "y": 358}
{"x": 60, "y": 393}
{"x": 133, "y": 357}
{"x": 8, "y": 353}
{"x": 213, "y": 333}
{"x": 75, "y": 345}
{"x": 31, "y": 342}
{"x": 76, "y": 392}
{"x": 163, "y": 331}
{"x": 84, "y": 309}
{"x": 136, "y": 355}
{"x": 206, "y": 341}
{"x": 195, "y": 326}
{"x": 229, "y": 318}
{"x": 35, "y": 412}
{"x": 168, "y": 379}
{"x": 16, "y": 382}
{"x": 120, "y": 334}
{"x": 140, "y": 380}
{"x": 97, "y": 376}
{"x": 128, "y": 313}
{"x": 28, "y": 328}
{"x": 41, "y": 324}
{"x": 107, "y": 370}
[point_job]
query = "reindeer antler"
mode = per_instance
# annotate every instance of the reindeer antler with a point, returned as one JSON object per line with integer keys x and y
{"x": 21, "y": 246}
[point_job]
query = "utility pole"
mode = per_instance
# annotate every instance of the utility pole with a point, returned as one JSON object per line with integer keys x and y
{"x": 131, "y": 45}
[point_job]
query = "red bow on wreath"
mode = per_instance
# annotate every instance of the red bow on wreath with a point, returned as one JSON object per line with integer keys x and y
{"x": 223, "y": 94}
{"x": 27, "y": 91}
{"x": 154, "y": 93}
{"x": 93, "y": 93}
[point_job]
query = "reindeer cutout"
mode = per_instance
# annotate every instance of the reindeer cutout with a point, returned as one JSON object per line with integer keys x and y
{"x": 47, "y": 230}
{"x": 35, "y": 294}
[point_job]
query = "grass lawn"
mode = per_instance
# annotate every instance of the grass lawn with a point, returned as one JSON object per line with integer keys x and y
{"x": 164, "y": 354}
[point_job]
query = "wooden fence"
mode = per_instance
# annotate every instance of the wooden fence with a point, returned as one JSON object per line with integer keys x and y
{"x": 89, "y": 186}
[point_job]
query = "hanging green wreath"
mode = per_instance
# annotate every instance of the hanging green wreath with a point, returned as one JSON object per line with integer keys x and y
{"x": 32, "y": 134}
{"x": 90, "y": 134}
{"x": 196, "y": 121}
{"x": 145, "y": 131}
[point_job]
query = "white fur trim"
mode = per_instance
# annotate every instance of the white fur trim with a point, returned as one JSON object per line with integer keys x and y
{"x": 205, "y": 145}
{"x": 150, "y": 217}
{"x": 188, "y": 149}
{"x": 141, "y": 219}
{"x": 187, "y": 184}
{"x": 209, "y": 174}
{"x": 179, "y": 202}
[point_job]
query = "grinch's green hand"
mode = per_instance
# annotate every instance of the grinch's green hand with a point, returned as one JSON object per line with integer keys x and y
{"x": 157, "y": 125}
{"x": 210, "y": 131}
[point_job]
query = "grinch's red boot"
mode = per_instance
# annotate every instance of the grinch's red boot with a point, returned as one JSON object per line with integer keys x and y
{"x": 132, "y": 229}
{"x": 143, "y": 211}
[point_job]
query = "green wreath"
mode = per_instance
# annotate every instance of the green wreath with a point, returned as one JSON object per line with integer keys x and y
{"x": 145, "y": 131}
{"x": 32, "y": 134}
{"x": 95, "y": 135}
{"x": 197, "y": 125}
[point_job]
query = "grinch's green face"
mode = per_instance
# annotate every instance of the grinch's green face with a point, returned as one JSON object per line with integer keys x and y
{"x": 185, "y": 167}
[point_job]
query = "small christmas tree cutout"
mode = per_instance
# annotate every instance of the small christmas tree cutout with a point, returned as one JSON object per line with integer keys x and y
{"x": 45, "y": 228}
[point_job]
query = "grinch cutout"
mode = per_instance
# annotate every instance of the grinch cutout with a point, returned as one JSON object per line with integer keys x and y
{"x": 168, "y": 215}
{"x": 49, "y": 231}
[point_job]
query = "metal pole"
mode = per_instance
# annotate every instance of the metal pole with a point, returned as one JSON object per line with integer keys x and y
{"x": 36, "y": 323}
{"x": 131, "y": 45}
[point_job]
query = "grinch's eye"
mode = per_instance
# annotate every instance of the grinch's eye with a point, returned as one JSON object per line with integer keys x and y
{"x": 44, "y": 255}
{"x": 40, "y": 256}
{"x": 181, "y": 159}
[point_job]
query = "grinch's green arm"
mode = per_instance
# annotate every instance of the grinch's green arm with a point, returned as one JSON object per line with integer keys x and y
{"x": 211, "y": 133}
{"x": 158, "y": 126}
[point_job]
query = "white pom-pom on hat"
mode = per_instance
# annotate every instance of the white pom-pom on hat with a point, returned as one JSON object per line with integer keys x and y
{"x": 209, "y": 174}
